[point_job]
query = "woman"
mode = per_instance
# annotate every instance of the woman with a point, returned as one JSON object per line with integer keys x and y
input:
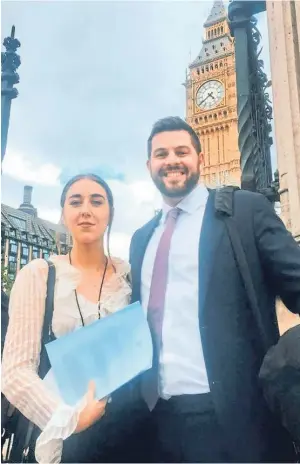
{"x": 89, "y": 285}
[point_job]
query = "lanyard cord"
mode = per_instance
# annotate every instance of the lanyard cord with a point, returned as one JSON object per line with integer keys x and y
{"x": 100, "y": 291}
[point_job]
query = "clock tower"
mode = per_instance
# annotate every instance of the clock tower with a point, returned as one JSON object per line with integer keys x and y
{"x": 211, "y": 101}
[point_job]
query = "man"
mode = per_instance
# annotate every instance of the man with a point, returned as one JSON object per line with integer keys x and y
{"x": 203, "y": 388}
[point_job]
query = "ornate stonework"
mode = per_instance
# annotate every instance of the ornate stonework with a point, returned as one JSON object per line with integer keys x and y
{"x": 211, "y": 101}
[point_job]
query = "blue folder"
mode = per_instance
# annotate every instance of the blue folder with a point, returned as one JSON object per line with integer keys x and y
{"x": 110, "y": 351}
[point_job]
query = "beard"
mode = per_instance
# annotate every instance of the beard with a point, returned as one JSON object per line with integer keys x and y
{"x": 176, "y": 191}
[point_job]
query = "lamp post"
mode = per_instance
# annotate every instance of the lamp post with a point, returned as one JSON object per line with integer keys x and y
{"x": 254, "y": 107}
{"x": 10, "y": 62}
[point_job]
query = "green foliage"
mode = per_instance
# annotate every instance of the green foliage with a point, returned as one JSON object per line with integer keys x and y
{"x": 6, "y": 281}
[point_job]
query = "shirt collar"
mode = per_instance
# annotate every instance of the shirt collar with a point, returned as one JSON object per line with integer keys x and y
{"x": 196, "y": 199}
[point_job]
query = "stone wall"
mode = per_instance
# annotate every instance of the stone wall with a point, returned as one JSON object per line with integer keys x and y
{"x": 284, "y": 35}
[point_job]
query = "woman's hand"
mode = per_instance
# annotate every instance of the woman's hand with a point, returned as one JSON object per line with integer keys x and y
{"x": 93, "y": 410}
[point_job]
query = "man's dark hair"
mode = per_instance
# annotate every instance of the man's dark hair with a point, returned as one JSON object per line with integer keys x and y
{"x": 173, "y": 123}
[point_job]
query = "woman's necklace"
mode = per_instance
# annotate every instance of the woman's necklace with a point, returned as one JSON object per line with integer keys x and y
{"x": 100, "y": 290}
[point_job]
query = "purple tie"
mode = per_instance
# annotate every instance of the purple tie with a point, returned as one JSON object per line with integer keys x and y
{"x": 156, "y": 307}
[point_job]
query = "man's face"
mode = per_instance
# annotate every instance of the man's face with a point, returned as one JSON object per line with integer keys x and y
{"x": 174, "y": 164}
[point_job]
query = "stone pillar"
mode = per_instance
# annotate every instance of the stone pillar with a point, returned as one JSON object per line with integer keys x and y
{"x": 6, "y": 252}
{"x": 284, "y": 34}
{"x": 19, "y": 256}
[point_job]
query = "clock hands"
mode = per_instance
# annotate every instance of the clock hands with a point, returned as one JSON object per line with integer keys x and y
{"x": 209, "y": 95}
{"x": 203, "y": 100}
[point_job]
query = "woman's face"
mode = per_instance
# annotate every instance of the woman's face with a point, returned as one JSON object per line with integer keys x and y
{"x": 86, "y": 211}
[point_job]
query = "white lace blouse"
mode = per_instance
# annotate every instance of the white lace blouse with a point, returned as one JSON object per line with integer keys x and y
{"x": 20, "y": 382}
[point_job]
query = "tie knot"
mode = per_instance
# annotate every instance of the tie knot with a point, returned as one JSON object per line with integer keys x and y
{"x": 174, "y": 213}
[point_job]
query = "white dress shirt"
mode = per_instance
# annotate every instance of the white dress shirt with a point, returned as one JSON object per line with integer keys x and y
{"x": 182, "y": 366}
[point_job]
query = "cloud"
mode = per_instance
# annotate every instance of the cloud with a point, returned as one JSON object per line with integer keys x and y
{"x": 90, "y": 104}
{"x": 144, "y": 191}
{"x": 119, "y": 245}
{"x": 50, "y": 214}
{"x": 19, "y": 167}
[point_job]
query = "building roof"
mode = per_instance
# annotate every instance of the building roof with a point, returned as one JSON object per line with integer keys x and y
{"x": 217, "y": 14}
{"x": 14, "y": 219}
{"x": 213, "y": 49}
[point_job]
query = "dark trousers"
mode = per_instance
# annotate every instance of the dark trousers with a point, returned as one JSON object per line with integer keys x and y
{"x": 187, "y": 430}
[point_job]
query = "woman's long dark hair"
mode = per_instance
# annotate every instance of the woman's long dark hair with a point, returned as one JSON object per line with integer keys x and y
{"x": 108, "y": 192}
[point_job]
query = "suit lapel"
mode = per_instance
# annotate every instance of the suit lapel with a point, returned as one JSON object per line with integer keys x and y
{"x": 137, "y": 262}
{"x": 210, "y": 239}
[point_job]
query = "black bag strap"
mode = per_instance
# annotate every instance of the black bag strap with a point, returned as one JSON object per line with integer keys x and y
{"x": 224, "y": 204}
{"x": 49, "y": 308}
{"x": 46, "y": 337}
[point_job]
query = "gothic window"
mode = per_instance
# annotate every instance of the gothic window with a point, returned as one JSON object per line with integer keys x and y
{"x": 222, "y": 29}
{"x": 45, "y": 254}
{"x": 211, "y": 66}
{"x": 13, "y": 247}
{"x": 216, "y": 66}
{"x": 24, "y": 250}
{"x": 198, "y": 72}
{"x": 3, "y": 243}
{"x": 209, "y": 34}
{"x": 202, "y": 70}
{"x": 221, "y": 65}
{"x": 218, "y": 139}
{"x": 12, "y": 266}
{"x": 208, "y": 151}
{"x": 24, "y": 255}
{"x": 218, "y": 31}
{"x": 35, "y": 252}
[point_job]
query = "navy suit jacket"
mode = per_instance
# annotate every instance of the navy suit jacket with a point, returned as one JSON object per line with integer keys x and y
{"x": 232, "y": 348}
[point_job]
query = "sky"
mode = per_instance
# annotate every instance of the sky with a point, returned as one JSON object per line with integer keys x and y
{"x": 94, "y": 78}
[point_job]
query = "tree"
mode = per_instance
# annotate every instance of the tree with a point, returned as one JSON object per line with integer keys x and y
{"x": 6, "y": 281}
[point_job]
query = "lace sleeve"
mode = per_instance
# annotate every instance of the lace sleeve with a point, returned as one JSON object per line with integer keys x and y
{"x": 20, "y": 381}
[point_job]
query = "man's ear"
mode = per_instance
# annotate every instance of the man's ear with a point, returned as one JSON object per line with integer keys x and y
{"x": 201, "y": 158}
{"x": 148, "y": 165}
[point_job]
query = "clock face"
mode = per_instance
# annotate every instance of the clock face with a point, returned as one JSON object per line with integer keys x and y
{"x": 210, "y": 94}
